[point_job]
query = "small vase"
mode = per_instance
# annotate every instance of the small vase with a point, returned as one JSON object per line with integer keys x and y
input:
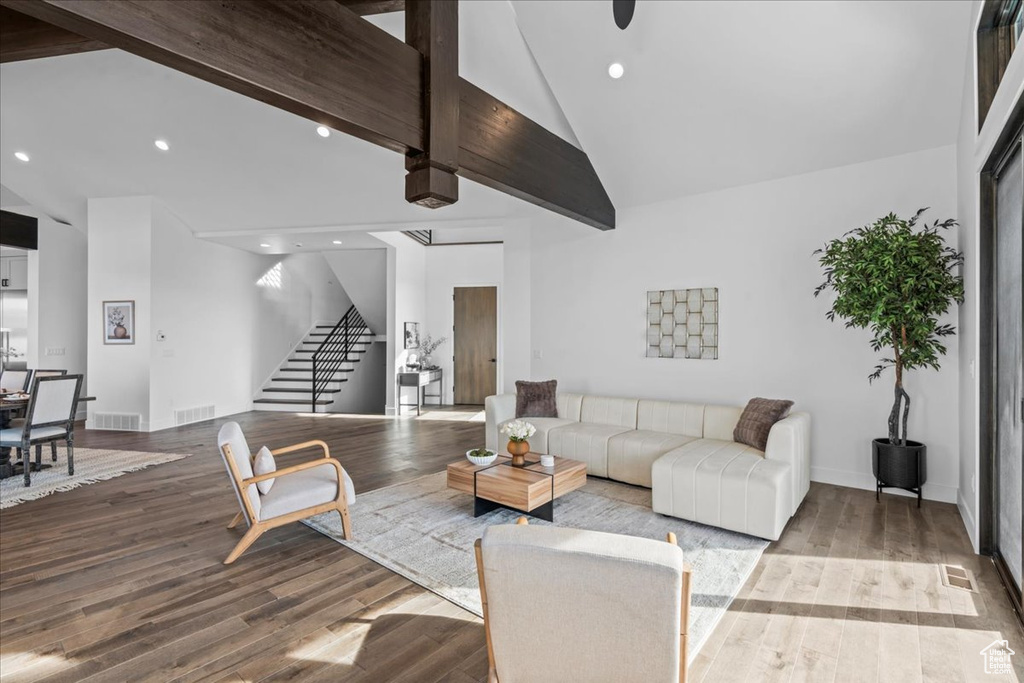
{"x": 518, "y": 451}
{"x": 120, "y": 332}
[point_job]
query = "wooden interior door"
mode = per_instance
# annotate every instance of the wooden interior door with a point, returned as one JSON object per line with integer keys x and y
{"x": 476, "y": 344}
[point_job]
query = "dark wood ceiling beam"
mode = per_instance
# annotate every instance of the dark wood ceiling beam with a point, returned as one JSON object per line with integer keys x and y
{"x": 367, "y": 7}
{"x": 432, "y": 28}
{"x": 23, "y": 37}
{"x": 314, "y": 59}
{"x": 501, "y": 148}
{"x": 323, "y": 62}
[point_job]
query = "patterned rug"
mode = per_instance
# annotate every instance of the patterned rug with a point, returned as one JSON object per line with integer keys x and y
{"x": 425, "y": 531}
{"x": 91, "y": 465}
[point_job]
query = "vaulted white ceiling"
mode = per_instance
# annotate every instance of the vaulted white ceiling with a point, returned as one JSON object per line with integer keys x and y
{"x": 719, "y": 94}
{"x": 715, "y": 94}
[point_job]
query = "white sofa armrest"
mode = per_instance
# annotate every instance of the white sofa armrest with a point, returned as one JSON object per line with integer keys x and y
{"x": 498, "y": 409}
{"x": 789, "y": 441}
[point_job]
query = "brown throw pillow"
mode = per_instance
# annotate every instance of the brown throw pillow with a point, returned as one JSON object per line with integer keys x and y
{"x": 757, "y": 420}
{"x": 536, "y": 399}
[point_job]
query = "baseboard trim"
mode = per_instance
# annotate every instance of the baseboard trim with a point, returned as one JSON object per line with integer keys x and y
{"x": 859, "y": 480}
{"x": 968, "y": 519}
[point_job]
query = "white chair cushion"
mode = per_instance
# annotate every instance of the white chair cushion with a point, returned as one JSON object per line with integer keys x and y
{"x": 304, "y": 489}
{"x": 573, "y": 605}
{"x": 631, "y": 454}
{"x": 539, "y": 441}
{"x": 585, "y": 442}
{"x": 12, "y": 437}
{"x": 723, "y": 484}
{"x": 231, "y": 435}
{"x": 620, "y": 412}
{"x": 671, "y": 417}
{"x": 264, "y": 463}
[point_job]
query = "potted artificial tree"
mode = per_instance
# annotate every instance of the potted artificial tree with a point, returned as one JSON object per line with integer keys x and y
{"x": 896, "y": 281}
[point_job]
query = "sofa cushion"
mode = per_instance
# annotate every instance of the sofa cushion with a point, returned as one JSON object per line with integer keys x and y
{"x": 723, "y": 484}
{"x": 720, "y": 421}
{"x": 631, "y": 454}
{"x": 536, "y": 399}
{"x": 618, "y": 412}
{"x": 539, "y": 441}
{"x": 586, "y": 442}
{"x": 569, "y": 406}
{"x": 671, "y": 417}
{"x": 757, "y": 421}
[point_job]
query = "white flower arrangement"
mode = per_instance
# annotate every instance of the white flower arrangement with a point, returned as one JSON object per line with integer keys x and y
{"x": 518, "y": 430}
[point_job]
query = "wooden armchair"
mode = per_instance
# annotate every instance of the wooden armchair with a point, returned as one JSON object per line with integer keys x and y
{"x": 565, "y": 604}
{"x": 299, "y": 491}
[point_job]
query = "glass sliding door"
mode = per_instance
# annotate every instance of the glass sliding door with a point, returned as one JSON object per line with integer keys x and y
{"x": 1009, "y": 368}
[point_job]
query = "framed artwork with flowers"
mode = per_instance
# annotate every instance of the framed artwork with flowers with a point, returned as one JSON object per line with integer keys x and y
{"x": 118, "y": 322}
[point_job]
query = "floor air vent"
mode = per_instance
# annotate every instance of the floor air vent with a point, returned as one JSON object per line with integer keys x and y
{"x": 189, "y": 415}
{"x": 122, "y": 422}
{"x": 957, "y": 577}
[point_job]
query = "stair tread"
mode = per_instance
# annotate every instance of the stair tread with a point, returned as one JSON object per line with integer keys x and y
{"x": 310, "y": 360}
{"x": 286, "y": 390}
{"x": 303, "y": 379}
{"x": 290, "y": 401}
{"x": 310, "y": 370}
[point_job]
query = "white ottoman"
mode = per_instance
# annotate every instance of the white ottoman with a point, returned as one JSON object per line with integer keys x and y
{"x": 723, "y": 484}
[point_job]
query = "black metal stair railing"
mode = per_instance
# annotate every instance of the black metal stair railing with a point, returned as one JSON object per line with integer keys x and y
{"x": 335, "y": 351}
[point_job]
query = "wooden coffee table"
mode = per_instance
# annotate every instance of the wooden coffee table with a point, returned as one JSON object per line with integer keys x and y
{"x": 531, "y": 489}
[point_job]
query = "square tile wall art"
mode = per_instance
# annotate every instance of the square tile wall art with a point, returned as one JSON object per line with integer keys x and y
{"x": 683, "y": 323}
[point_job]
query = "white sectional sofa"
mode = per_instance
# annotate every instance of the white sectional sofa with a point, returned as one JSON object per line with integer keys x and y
{"x": 683, "y": 452}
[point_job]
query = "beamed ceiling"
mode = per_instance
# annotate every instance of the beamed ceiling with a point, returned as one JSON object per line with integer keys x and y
{"x": 715, "y": 95}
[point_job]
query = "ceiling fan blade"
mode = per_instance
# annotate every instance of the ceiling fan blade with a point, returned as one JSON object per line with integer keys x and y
{"x": 623, "y": 11}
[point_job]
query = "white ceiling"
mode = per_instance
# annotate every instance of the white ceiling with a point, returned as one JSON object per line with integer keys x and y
{"x": 715, "y": 95}
{"x": 720, "y": 94}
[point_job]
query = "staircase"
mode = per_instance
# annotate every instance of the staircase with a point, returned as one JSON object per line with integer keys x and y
{"x": 318, "y": 367}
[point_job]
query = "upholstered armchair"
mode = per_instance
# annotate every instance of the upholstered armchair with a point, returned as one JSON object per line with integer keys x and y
{"x": 298, "y": 492}
{"x": 565, "y": 604}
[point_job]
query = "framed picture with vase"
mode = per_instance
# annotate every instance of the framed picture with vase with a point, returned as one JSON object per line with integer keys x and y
{"x": 118, "y": 322}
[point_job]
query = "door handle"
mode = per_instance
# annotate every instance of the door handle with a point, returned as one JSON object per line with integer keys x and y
{"x": 494, "y": 360}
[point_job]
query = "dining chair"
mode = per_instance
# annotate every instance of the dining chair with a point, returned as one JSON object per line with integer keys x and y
{"x": 14, "y": 380}
{"x": 50, "y": 418}
{"x": 563, "y": 604}
{"x": 298, "y": 491}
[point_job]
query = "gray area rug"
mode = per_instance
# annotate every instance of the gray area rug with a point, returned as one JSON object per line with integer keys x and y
{"x": 92, "y": 465}
{"x": 425, "y": 531}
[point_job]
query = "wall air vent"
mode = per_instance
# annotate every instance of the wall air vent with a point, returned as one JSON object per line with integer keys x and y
{"x": 190, "y": 415}
{"x": 122, "y": 422}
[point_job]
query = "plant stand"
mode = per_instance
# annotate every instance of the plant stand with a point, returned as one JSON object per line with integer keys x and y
{"x": 899, "y": 467}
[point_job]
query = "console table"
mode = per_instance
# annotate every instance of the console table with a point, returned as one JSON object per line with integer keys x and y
{"x": 419, "y": 379}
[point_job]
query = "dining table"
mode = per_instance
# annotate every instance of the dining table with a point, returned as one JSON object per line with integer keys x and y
{"x": 7, "y": 410}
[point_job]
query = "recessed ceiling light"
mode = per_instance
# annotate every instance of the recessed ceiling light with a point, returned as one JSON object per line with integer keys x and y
{"x": 337, "y": 241}
{"x": 21, "y": 156}
{"x": 615, "y": 70}
{"x": 161, "y": 145}
{"x": 264, "y": 245}
{"x": 323, "y": 131}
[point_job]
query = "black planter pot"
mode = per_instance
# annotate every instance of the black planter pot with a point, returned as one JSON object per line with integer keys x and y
{"x": 899, "y": 467}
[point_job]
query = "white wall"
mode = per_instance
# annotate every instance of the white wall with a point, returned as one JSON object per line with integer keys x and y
{"x": 406, "y": 300}
{"x": 755, "y": 244}
{"x": 229, "y": 317}
{"x": 120, "y": 240}
{"x": 471, "y": 265}
{"x": 58, "y": 306}
{"x": 364, "y": 392}
{"x": 972, "y": 152}
{"x": 363, "y": 273}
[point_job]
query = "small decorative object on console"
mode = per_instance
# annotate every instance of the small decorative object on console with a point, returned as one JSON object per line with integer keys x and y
{"x": 518, "y": 432}
{"x": 481, "y": 456}
{"x": 547, "y": 461}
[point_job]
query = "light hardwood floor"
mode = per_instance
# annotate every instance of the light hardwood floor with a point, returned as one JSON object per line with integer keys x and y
{"x": 123, "y": 581}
